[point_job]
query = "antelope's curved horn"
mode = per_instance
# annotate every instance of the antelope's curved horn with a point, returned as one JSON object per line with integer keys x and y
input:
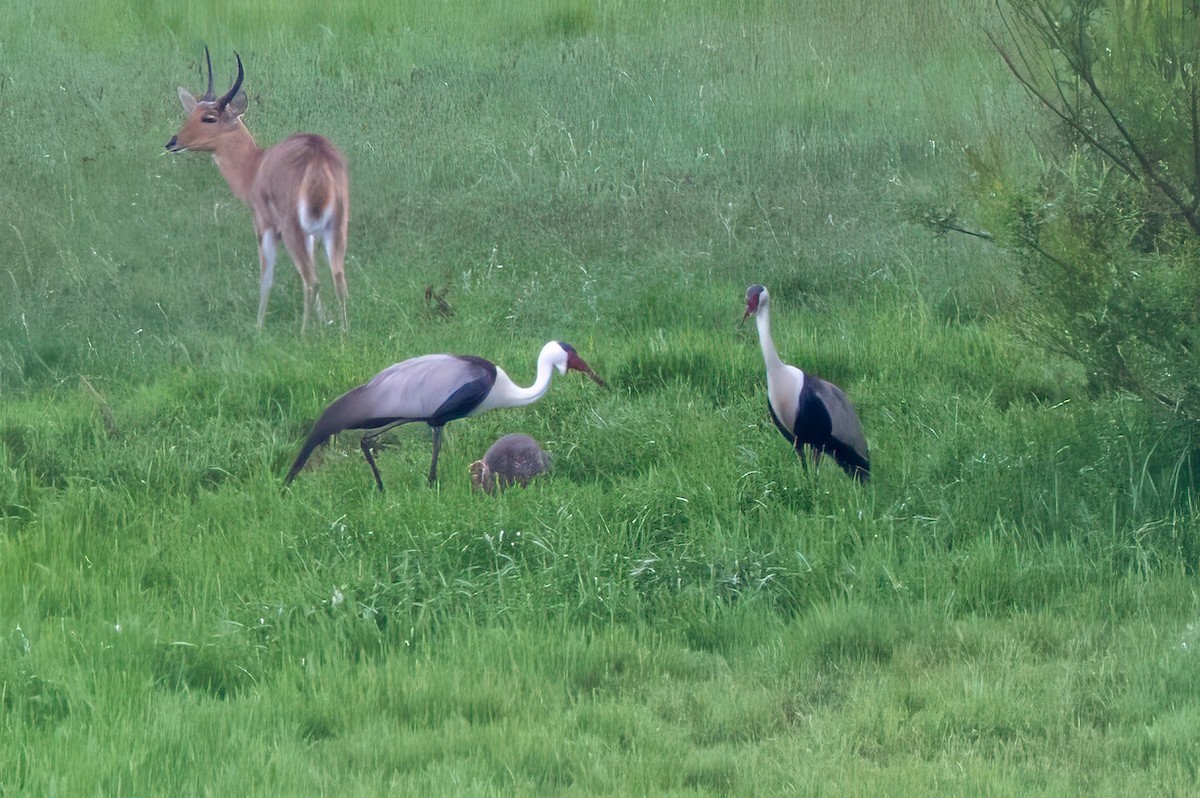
{"x": 237, "y": 84}
{"x": 208, "y": 95}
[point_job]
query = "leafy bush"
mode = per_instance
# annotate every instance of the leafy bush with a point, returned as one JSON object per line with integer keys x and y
{"x": 1108, "y": 229}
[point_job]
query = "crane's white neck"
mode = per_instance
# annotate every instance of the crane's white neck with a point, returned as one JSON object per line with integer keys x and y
{"x": 762, "y": 318}
{"x": 519, "y": 397}
{"x": 506, "y": 393}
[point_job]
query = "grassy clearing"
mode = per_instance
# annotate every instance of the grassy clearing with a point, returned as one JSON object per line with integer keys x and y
{"x": 1008, "y": 608}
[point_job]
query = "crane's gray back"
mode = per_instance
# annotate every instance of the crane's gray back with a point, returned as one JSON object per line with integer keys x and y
{"x": 418, "y": 387}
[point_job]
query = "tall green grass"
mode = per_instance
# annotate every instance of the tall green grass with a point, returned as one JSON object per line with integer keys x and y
{"x": 679, "y": 607}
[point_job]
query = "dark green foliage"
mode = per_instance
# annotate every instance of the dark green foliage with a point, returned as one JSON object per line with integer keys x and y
{"x": 1107, "y": 226}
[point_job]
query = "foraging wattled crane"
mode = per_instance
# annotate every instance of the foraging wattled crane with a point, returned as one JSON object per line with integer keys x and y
{"x": 513, "y": 459}
{"x": 808, "y": 410}
{"x": 296, "y": 190}
{"x": 436, "y": 389}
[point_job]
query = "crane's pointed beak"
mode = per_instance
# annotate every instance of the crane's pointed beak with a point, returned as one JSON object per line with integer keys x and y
{"x": 746, "y": 315}
{"x": 576, "y": 363}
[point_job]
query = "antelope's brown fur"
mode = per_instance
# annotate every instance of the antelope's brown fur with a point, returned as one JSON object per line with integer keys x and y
{"x": 296, "y": 190}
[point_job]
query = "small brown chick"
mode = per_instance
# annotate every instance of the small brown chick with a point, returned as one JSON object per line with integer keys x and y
{"x": 513, "y": 459}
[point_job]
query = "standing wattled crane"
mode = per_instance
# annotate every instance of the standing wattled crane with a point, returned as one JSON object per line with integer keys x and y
{"x": 436, "y": 389}
{"x": 808, "y": 410}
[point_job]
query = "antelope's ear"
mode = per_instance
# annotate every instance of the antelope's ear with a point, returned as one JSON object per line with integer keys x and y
{"x": 237, "y": 106}
{"x": 185, "y": 97}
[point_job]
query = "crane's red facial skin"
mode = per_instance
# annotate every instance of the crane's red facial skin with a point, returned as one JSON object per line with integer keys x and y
{"x": 752, "y": 295}
{"x": 575, "y": 363}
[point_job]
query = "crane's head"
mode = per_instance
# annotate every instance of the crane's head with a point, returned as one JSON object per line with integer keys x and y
{"x": 756, "y": 297}
{"x": 565, "y": 358}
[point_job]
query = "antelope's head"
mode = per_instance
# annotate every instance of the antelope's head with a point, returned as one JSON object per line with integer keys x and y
{"x": 209, "y": 118}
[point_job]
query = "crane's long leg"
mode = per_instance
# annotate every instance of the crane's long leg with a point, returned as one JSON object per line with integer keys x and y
{"x": 437, "y": 445}
{"x": 801, "y": 455}
{"x": 816, "y": 453}
{"x": 365, "y": 444}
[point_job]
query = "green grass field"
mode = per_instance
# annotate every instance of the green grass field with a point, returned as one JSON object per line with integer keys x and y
{"x": 1009, "y": 608}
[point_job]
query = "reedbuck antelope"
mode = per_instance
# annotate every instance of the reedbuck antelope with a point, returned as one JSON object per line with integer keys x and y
{"x": 297, "y": 189}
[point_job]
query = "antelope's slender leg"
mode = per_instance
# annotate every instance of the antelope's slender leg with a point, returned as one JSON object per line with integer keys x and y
{"x": 266, "y": 258}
